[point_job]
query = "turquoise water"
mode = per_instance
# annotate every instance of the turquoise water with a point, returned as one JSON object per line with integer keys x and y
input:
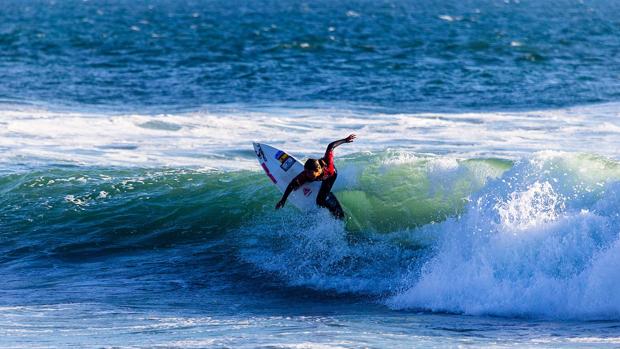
{"x": 481, "y": 195}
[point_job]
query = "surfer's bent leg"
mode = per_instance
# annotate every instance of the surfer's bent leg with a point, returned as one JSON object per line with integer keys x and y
{"x": 326, "y": 187}
{"x": 322, "y": 199}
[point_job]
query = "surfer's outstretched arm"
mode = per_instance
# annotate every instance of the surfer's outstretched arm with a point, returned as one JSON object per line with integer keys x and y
{"x": 293, "y": 185}
{"x": 334, "y": 144}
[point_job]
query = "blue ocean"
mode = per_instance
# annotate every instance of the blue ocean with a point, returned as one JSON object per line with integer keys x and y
{"x": 482, "y": 194}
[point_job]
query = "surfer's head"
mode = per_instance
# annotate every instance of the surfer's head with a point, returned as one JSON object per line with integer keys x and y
{"x": 313, "y": 168}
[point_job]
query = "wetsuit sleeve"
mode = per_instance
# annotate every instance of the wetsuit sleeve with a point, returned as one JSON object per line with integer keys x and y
{"x": 293, "y": 185}
{"x": 329, "y": 157}
{"x": 329, "y": 152}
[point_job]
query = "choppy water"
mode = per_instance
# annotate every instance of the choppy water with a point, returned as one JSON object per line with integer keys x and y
{"x": 482, "y": 192}
{"x": 414, "y": 54}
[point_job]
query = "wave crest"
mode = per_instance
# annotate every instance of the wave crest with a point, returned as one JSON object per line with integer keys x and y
{"x": 539, "y": 241}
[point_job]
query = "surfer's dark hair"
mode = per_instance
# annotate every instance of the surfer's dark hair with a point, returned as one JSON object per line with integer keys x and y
{"x": 312, "y": 165}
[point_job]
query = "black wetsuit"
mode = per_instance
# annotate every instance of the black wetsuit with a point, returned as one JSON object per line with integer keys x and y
{"x": 326, "y": 199}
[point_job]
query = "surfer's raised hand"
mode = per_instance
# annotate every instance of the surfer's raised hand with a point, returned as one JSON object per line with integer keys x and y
{"x": 334, "y": 144}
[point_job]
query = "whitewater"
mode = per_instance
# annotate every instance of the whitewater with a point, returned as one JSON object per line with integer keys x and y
{"x": 217, "y": 136}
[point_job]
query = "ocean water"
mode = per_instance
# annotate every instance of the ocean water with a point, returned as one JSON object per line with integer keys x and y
{"x": 482, "y": 194}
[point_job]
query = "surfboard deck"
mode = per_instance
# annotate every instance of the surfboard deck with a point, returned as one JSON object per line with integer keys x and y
{"x": 281, "y": 168}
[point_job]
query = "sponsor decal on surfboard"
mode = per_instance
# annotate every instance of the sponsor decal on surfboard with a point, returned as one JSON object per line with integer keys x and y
{"x": 281, "y": 156}
{"x": 307, "y": 191}
{"x": 285, "y": 160}
{"x": 287, "y": 164}
{"x": 259, "y": 152}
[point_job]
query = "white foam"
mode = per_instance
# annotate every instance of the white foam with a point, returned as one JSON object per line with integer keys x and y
{"x": 313, "y": 251}
{"x": 214, "y": 139}
{"x": 529, "y": 245}
{"x": 538, "y": 204}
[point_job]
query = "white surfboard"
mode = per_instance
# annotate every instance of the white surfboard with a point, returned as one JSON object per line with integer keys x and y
{"x": 281, "y": 168}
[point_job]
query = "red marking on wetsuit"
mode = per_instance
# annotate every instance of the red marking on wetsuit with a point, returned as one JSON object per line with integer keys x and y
{"x": 268, "y": 173}
{"x": 330, "y": 169}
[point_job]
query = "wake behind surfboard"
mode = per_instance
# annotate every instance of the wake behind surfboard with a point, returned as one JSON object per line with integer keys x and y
{"x": 281, "y": 168}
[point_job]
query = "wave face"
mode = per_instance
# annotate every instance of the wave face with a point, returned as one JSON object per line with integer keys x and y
{"x": 153, "y": 207}
{"x": 536, "y": 237}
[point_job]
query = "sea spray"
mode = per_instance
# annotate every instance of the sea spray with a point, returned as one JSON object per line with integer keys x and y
{"x": 315, "y": 251}
{"x": 536, "y": 242}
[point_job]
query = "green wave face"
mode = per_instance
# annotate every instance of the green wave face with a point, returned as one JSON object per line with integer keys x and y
{"x": 94, "y": 210}
{"x": 100, "y": 210}
{"x": 392, "y": 191}
{"x": 156, "y": 207}
{"x": 380, "y": 193}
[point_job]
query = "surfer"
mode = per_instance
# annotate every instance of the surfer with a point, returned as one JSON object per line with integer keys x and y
{"x": 320, "y": 170}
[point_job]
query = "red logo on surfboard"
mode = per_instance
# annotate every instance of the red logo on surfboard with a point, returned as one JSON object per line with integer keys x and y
{"x": 268, "y": 173}
{"x": 307, "y": 191}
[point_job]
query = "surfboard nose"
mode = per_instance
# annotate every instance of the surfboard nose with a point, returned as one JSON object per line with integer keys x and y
{"x": 259, "y": 152}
